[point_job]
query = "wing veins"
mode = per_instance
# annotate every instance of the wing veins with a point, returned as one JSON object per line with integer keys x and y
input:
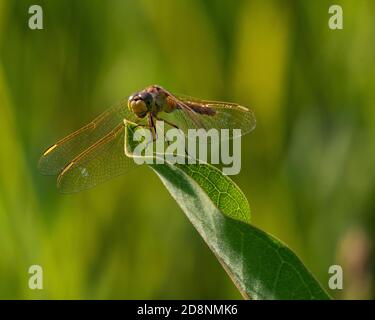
{"x": 109, "y": 137}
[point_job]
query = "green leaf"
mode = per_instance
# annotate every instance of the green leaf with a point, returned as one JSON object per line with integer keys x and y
{"x": 261, "y": 266}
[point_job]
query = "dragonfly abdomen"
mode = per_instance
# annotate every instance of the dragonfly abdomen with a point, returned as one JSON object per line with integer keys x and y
{"x": 198, "y": 108}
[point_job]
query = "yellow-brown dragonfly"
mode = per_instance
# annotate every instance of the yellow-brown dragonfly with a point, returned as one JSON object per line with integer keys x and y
{"x": 95, "y": 153}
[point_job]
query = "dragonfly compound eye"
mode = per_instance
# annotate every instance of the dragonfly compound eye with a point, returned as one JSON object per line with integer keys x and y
{"x": 146, "y": 97}
{"x": 139, "y": 107}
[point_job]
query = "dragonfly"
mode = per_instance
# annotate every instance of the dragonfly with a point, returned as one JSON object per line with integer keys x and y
{"x": 95, "y": 153}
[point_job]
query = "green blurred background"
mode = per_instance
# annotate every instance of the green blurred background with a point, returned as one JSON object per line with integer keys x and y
{"x": 307, "y": 169}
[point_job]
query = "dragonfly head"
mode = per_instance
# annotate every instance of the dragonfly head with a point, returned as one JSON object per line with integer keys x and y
{"x": 140, "y": 103}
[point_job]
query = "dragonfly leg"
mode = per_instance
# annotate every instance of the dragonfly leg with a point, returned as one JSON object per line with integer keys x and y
{"x": 151, "y": 126}
{"x": 173, "y": 125}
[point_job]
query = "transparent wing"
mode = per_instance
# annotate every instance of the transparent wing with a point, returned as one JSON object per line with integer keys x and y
{"x": 56, "y": 157}
{"x": 195, "y": 113}
{"x": 102, "y": 161}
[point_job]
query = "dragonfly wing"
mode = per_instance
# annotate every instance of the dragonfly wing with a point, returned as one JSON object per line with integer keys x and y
{"x": 195, "y": 114}
{"x": 64, "y": 151}
{"x": 104, "y": 160}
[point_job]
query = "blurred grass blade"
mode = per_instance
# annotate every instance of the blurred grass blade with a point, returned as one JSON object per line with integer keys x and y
{"x": 260, "y": 265}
